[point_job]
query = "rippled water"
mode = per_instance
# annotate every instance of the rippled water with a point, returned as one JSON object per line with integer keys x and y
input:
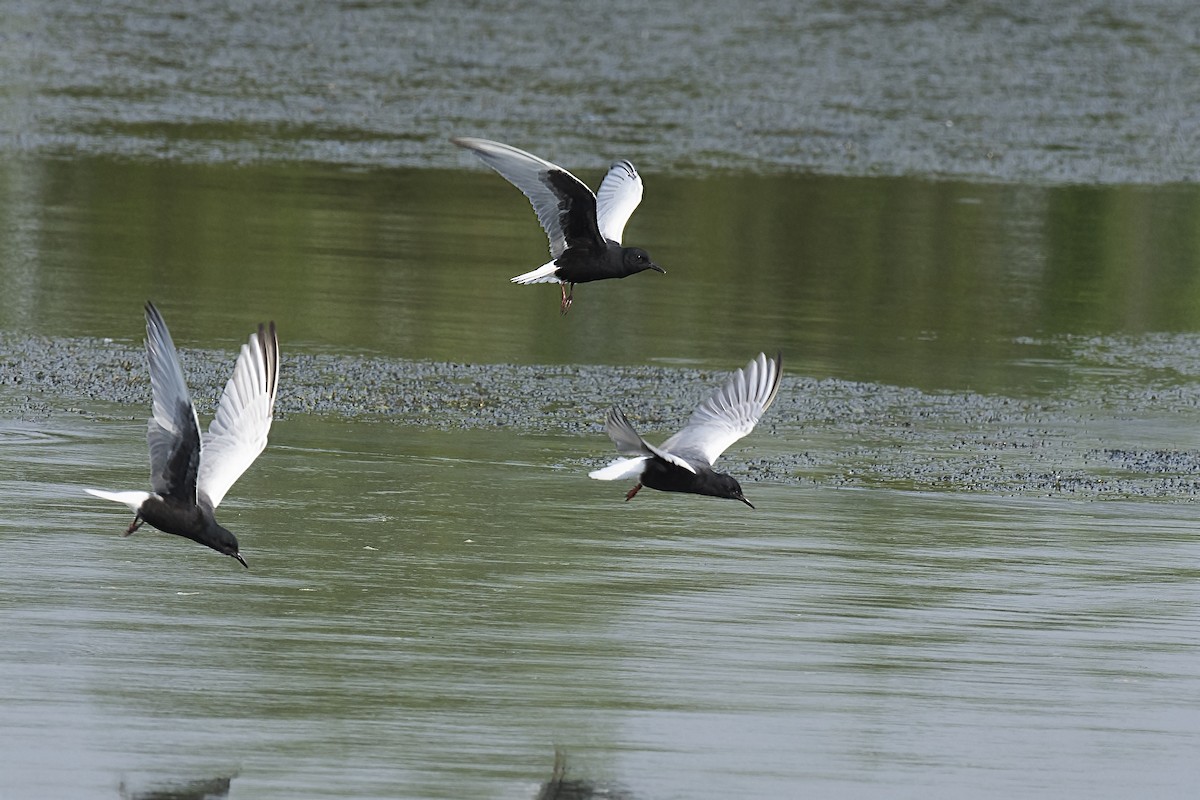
{"x": 971, "y": 571}
{"x": 1101, "y": 91}
{"x": 419, "y": 625}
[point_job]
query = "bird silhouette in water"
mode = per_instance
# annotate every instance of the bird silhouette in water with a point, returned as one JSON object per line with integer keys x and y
{"x": 684, "y": 462}
{"x": 584, "y": 228}
{"x": 190, "y": 474}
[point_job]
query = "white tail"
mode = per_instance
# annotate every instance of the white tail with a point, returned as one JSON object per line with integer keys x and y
{"x": 619, "y": 469}
{"x": 132, "y": 499}
{"x": 543, "y": 274}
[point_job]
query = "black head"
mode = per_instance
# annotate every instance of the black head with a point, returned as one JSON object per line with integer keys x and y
{"x": 636, "y": 260}
{"x": 727, "y": 486}
{"x": 223, "y": 541}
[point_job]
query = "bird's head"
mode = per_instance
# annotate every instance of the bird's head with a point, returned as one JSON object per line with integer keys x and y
{"x": 636, "y": 260}
{"x": 225, "y": 542}
{"x": 727, "y": 486}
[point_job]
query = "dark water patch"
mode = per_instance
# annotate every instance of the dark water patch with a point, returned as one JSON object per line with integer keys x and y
{"x": 1102, "y": 93}
{"x": 1167, "y": 355}
{"x": 1162, "y": 472}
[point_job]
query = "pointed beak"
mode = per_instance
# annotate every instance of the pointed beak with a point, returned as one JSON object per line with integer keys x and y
{"x": 657, "y": 268}
{"x": 241, "y": 560}
{"x": 742, "y": 497}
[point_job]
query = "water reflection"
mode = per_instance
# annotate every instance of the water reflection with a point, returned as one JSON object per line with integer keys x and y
{"x": 215, "y": 788}
{"x": 560, "y": 787}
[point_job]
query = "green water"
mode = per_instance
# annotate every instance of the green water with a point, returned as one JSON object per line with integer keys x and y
{"x": 932, "y": 285}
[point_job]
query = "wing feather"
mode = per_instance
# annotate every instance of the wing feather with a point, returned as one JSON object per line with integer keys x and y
{"x": 565, "y": 206}
{"x": 619, "y": 195}
{"x": 630, "y": 443}
{"x": 173, "y": 432}
{"x": 730, "y": 412}
{"x": 238, "y": 432}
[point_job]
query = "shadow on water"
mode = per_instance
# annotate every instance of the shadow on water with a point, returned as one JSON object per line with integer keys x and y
{"x": 560, "y": 787}
{"x": 197, "y": 789}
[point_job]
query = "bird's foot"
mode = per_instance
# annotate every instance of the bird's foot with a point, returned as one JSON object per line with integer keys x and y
{"x": 629, "y": 495}
{"x": 133, "y": 526}
{"x": 567, "y": 299}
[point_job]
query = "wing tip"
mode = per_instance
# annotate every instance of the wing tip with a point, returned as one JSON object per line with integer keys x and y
{"x": 776, "y": 378}
{"x": 466, "y": 142}
{"x": 625, "y": 164}
{"x": 767, "y": 373}
{"x": 269, "y": 339}
{"x": 615, "y": 419}
{"x": 154, "y": 317}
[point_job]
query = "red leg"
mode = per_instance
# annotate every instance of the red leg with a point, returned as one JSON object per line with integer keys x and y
{"x": 632, "y": 492}
{"x": 567, "y": 298}
{"x": 133, "y": 526}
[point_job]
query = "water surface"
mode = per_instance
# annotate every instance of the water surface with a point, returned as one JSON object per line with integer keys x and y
{"x": 1097, "y": 92}
{"x": 418, "y": 625}
{"x": 971, "y": 232}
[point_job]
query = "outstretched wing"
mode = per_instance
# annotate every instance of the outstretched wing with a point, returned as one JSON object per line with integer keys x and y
{"x": 173, "y": 433}
{"x": 238, "y": 432}
{"x": 619, "y": 194}
{"x": 630, "y": 443}
{"x": 730, "y": 412}
{"x": 565, "y": 207}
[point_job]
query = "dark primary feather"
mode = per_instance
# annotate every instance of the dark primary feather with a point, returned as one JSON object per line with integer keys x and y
{"x": 173, "y": 431}
{"x": 628, "y": 441}
{"x": 577, "y": 212}
{"x": 179, "y": 475}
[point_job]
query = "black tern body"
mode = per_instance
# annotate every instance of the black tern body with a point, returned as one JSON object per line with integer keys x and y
{"x": 684, "y": 462}
{"x": 190, "y": 474}
{"x": 584, "y": 229}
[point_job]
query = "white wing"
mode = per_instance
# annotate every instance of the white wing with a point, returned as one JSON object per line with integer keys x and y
{"x": 174, "y": 424}
{"x": 552, "y": 191}
{"x": 730, "y": 412}
{"x": 239, "y": 430}
{"x": 619, "y": 194}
